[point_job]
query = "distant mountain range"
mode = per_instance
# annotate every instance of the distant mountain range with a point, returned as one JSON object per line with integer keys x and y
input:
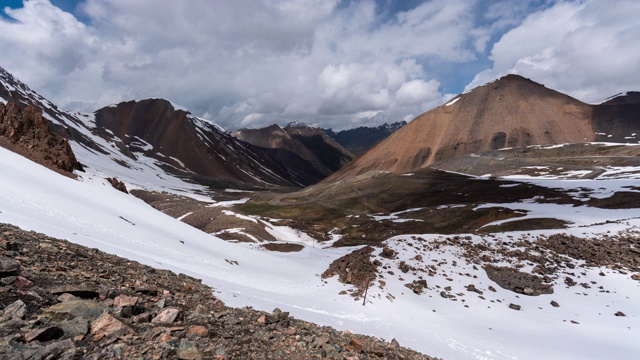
{"x": 307, "y": 153}
{"x": 363, "y": 138}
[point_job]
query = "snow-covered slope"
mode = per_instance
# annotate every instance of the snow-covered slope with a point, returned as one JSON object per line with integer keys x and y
{"x": 476, "y": 325}
{"x": 95, "y": 215}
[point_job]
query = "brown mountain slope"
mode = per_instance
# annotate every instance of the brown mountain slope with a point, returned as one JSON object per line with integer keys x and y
{"x": 509, "y": 112}
{"x": 308, "y": 154}
{"x": 190, "y": 145}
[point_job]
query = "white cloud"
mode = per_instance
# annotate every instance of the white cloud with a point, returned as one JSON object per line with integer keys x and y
{"x": 256, "y": 62}
{"x": 416, "y": 91}
{"x": 589, "y": 50}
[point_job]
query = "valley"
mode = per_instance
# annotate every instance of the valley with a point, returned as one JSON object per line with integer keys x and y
{"x": 459, "y": 236}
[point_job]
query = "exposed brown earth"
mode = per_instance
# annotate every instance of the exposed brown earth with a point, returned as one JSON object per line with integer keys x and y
{"x": 509, "y": 112}
{"x": 64, "y": 301}
{"x": 25, "y": 131}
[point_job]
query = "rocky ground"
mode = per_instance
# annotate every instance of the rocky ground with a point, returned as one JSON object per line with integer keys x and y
{"x": 60, "y": 300}
{"x": 527, "y": 266}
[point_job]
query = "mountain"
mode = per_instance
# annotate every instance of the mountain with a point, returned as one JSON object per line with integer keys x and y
{"x": 308, "y": 154}
{"x": 618, "y": 118}
{"x": 363, "y": 138}
{"x": 194, "y": 147}
{"x": 509, "y": 112}
{"x": 452, "y": 262}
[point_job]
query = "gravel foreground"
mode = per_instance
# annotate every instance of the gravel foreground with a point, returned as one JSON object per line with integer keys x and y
{"x": 60, "y": 300}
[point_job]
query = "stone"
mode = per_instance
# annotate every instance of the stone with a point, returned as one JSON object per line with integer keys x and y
{"x": 515, "y": 307}
{"x": 320, "y": 340}
{"x": 75, "y": 327}
{"x": 67, "y": 297}
{"x": 356, "y": 345}
{"x": 7, "y": 280}
{"x": 107, "y": 325}
{"x": 15, "y": 311}
{"x": 22, "y": 283}
{"x": 55, "y": 350}
{"x": 197, "y": 331}
{"x": 554, "y": 303}
{"x": 142, "y": 318}
{"x": 9, "y": 267}
{"x": 187, "y": 350}
{"x": 528, "y": 291}
{"x": 43, "y": 334}
{"x": 167, "y": 316}
{"x": 86, "y": 309}
{"x": 124, "y": 300}
{"x": 635, "y": 277}
{"x": 619, "y": 313}
{"x": 81, "y": 291}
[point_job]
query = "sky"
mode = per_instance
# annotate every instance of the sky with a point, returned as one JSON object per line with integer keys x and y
{"x": 328, "y": 63}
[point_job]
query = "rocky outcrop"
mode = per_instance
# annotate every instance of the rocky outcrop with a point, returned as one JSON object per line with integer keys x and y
{"x": 118, "y": 185}
{"x": 356, "y": 269}
{"x": 83, "y": 303}
{"x": 25, "y": 131}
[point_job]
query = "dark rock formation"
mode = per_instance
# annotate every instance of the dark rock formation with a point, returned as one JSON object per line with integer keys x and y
{"x": 25, "y": 131}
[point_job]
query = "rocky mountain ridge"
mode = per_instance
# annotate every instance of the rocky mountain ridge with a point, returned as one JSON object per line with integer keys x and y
{"x": 188, "y": 144}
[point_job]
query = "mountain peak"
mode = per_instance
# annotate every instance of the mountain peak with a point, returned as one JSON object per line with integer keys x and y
{"x": 297, "y": 124}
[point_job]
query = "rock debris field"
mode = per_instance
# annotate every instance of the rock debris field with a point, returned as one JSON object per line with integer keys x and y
{"x": 60, "y": 300}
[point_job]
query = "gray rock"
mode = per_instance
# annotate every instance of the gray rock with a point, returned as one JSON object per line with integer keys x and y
{"x": 554, "y": 303}
{"x": 74, "y": 327}
{"x": 86, "y": 309}
{"x": 9, "y": 267}
{"x": 187, "y": 350}
{"x": 55, "y": 350}
{"x": 14, "y": 311}
{"x": 81, "y": 291}
{"x": 515, "y": 307}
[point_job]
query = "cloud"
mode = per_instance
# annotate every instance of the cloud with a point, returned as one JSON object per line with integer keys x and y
{"x": 325, "y": 62}
{"x": 586, "y": 49}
